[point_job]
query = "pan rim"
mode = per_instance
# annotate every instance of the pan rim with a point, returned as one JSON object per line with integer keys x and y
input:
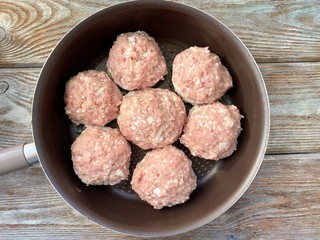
{"x": 235, "y": 196}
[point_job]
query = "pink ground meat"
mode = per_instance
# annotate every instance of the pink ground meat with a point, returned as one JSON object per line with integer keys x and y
{"x": 199, "y": 77}
{"x": 211, "y": 131}
{"x": 164, "y": 177}
{"x": 92, "y": 98}
{"x": 135, "y": 61}
{"x": 101, "y": 156}
{"x": 152, "y": 118}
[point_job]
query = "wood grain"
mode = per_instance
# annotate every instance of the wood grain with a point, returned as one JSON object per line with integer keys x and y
{"x": 284, "y": 195}
{"x": 283, "y": 200}
{"x": 293, "y": 88}
{"x": 274, "y": 31}
{"x": 15, "y": 105}
{"x": 294, "y": 95}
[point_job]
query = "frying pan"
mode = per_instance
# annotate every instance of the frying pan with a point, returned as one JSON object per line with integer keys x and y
{"x": 175, "y": 27}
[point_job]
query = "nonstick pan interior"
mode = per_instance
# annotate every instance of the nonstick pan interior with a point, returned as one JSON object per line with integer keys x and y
{"x": 202, "y": 168}
{"x": 175, "y": 27}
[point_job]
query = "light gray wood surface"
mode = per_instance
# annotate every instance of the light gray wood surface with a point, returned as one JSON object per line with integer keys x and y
{"x": 283, "y": 202}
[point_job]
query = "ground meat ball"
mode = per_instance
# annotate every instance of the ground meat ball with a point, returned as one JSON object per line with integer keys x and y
{"x": 92, "y": 98}
{"x": 152, "y": 118}
{"x": 101, "y": 156}
{"x": 199, "y": 77}
{"x": 135, "y": 61}
{"x": 164, "y": 177}
{"x": 211, "y": 131}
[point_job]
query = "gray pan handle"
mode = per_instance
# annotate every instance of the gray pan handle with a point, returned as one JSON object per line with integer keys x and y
{"x": 14, "y": 158}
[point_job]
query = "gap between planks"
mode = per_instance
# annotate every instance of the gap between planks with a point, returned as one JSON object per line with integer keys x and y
{"x": 40, "y": 66}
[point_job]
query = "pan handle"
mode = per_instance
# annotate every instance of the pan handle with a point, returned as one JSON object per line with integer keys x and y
{"x": 14, "y": 158}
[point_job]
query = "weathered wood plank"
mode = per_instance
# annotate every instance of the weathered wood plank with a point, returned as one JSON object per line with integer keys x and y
{"x": 281, "y": 203}
{"x": 294, "y": 95}
{"x": 294, "y": 92}
{"x": 15, "y": 105}
{"x": 274, "y": 31}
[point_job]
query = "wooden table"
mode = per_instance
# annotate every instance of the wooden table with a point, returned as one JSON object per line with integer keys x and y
{"x": 283, "y": 201}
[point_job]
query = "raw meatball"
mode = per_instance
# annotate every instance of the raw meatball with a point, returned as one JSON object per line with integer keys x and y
{"x": 92, "y": 98}
{"x": 199, "y": 77}
{"x": 211, "y": 131}
{"x": 152, "y": 118}
{"x": 164, "y": 177}
{"x": 101, "y": 156}
{"x": 135, "y": 61}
